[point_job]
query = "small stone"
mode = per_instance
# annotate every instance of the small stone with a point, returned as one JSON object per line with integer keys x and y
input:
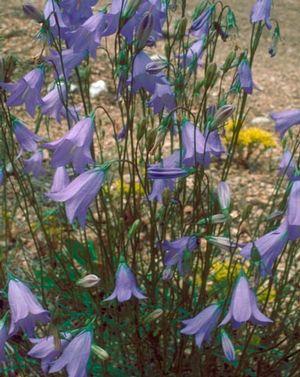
{"x": 260, "y": 120}
{"x": 97, "y": 87}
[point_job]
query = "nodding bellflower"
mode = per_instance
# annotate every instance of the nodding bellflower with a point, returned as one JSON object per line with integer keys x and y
{"x": 77, "y": 12}
{"x": 34, "y": 164}
{"x": 243, "y": 306}
{"x": 201, "y": 24}
{"x": 75, "y": 146}
{"x": 45, "y": 349}
{"x": 27, "y": 90}
{"x": 80, "y": 193}
{"x": 69, "y": 58}
{"x": 175, "y": 250}
{"x": 126, "y": 285}
{"x": 227, "y": 346}
{"x": 162, "y": 98}
{"x": 75, "y": 356}
{"x": 245, "y": 76}
{"x": 54, "y": 104}
{"x": 160, "y": 172}
{"x": 202, "y": 324}
{"x": 261, "y": 11}
{"x": 55, "y": 20}
{"x": 194, "y": 54}
{"x": 60, "y": 180}
{"x": 269, "y": 247}
{"x": 286, "y": 119}
{"x": 27, "y": 139}
{"x": 25, "y": 309}
{"x": 293, "y": 212}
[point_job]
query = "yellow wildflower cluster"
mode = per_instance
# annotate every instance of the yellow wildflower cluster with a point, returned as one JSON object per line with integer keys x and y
{"x": 251, "y": 136}
{"x": 126, "y": 187}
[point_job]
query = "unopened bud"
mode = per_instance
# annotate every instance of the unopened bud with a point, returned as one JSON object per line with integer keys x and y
{"x": 154, "y": 315}
{"x": 222, "y": 114}
{"x": 156, "y": 66}
{"x": 228, "y": 61}
{"x": 88, "y": 281}
{"x": 130, "y": 9}
{"x": 181, "y": 28}
{"x": 150, "y": 140}
{"x": 33, "y": 13}
{"x": 100, "y": 352}
{"x": 223, "y": 192}
{"x": 144, "y": 30}
{"x": 214, "y": 219}
{"x": 223, "y": 243}
{"x": 211, "y": 75}
{"x": 134, "y": 227}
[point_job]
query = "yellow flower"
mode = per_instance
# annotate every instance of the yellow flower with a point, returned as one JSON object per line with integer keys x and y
{"x": 126, "y": 187}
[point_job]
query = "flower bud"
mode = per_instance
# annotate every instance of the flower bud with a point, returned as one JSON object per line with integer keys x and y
{"x": 88, "y": 281}
{"x": 154, "y": 315}
{"x": 156, "y": 66}
{"x": 211, "y": 75}
{"x": 223, "y": 243}
{"x": 214, "y": 219}
{"x": 134, "y": 227}
{"x": 181, "y": 27}
{"x": 223, "y": 192}
{"x": 33, "y": 13}
{"x": 221, "y": 115}
{"x": 144, "y": 30}
{"x": 228, "y": 61}
{"x": 150, "y": 139}
{"x": 227, "y": 346}
{"x": 100, "y": 352}
{"x": 130, "y": 9}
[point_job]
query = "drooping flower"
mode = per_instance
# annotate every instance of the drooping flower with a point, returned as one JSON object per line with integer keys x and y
{"x": 75, "y": 356}
{"x": 77, "y": 12}
{"x": 70, "y": 60}
{"x": 88, "y": 36}
{"x": 293, "y": 212}
{"x": 126, "y": 285}
{"x": 223, "y": 191}
{"x": 223, "y": 243}
{"x": 261, "y": 11}
{"x": 245, "y": 76}
{"x": 243, "y": 306}
{"x": 213, "y": 140}
{"x": 60, "y": 180}
{"x": 27, "y": 139}
{"x": 88, "y": 281}
{"x": 80, "y": 193}
{"x": 54, "y": 104}
{"x": 144, "y": 30}
{"x": 34, "y": 164}
{"x": 284, "y": 120}
{"x": 27, "y": 90}
{"x": 196, "y": 149}
{"x": 269, "y": 247}
{"x": 160, "y": 172}
{"x": 287, "y": 165}
{"x": 175, "y": 251}
{"x": 202, "y": 324}
{"x": 162, "y": 98}
{"x": 24, "y": 308}
{"x": 201, "y": 24}
{"x": 46, "y": 350}
{"x": 227, "y": 346}
{"x": 75, "y": 146}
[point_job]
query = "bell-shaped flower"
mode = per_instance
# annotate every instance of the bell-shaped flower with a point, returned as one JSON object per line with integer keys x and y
{"x": 75, "y": 356}
{"x": 70, "y": 60}
{"x": 77, "y": 12}
{"x": 25, "y": 310}
{"x": 162, "y": 98}
{"x": 27, "y": 90}
{"x": 193, "y": 55}
{"x": 243, "y": 306}
{"x": 54, "y": 104}
{"x": 80, "y": 193}
{"x": 47, "y": 351}
{"x": 287, "y": 165}
{"x": 286, "y": 119}
{"x": 34, "y": 164}
{"x": 293, "y": 212}
{"x": 56, "y": 23}
{"x": 175, "y": 252}
{"x": 269, "y": 246}
{"x": 27, "y": 139}
{"x": 227, "y": 346}
{"x": 245, "y": 76}
{"x": 202, "y": 324}
{"x": 126, "y": 285}
{"x": 213, "y": 140}
{"x": 201, "y": 24}
{"x": 88, "y": 35}
{"x": 74, "y": 147}
{"x": 60, "y": 180}
{"x": 196, "y": 148}
{"x": 261, "y": 11}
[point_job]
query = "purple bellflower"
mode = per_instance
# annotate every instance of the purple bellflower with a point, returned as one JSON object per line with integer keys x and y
{"x": 160, "y": 172}
{"x": 202, "y": 324}
{"x": 213, "y": 140}
{"x": 126, "y": 285}
{"x": 175, "y": 250}
{"x": 261, "y": 11}
{"x": 162, "y": 98}
{"x": 75, "y": 146}
{"x": 243, "y": 306}
{"x": 25, "y": 309}
{"x": 284, "y": 120}
{"x": 196, "y": 148}
{"x": 54, "y": 17}
{"x": 227, "y": 346}
{"x": 269, "y": 247}
{"x": 54, "y": 104}
{"x": 287, "y": 165}
{"x": 27, "y": 90}
{"x": 27, "y": 139}
{"x": 70, "y": 60}
{"x": 293, "y": 212}
{"x": 194, "y": 54}
{"x": 45, "y": 349}
{"x": 34, "y": 164}
{"x": 201, "y": 24}
{"x": 60, "y": 180}
{"x": 76, "y": 12}
{"x": 80, "y": 193}
{"x": 87, "y": 36}
{"x": 3, "y": 339}
{"x": 245, "y": 76}
{"x": 75, "y": 356}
